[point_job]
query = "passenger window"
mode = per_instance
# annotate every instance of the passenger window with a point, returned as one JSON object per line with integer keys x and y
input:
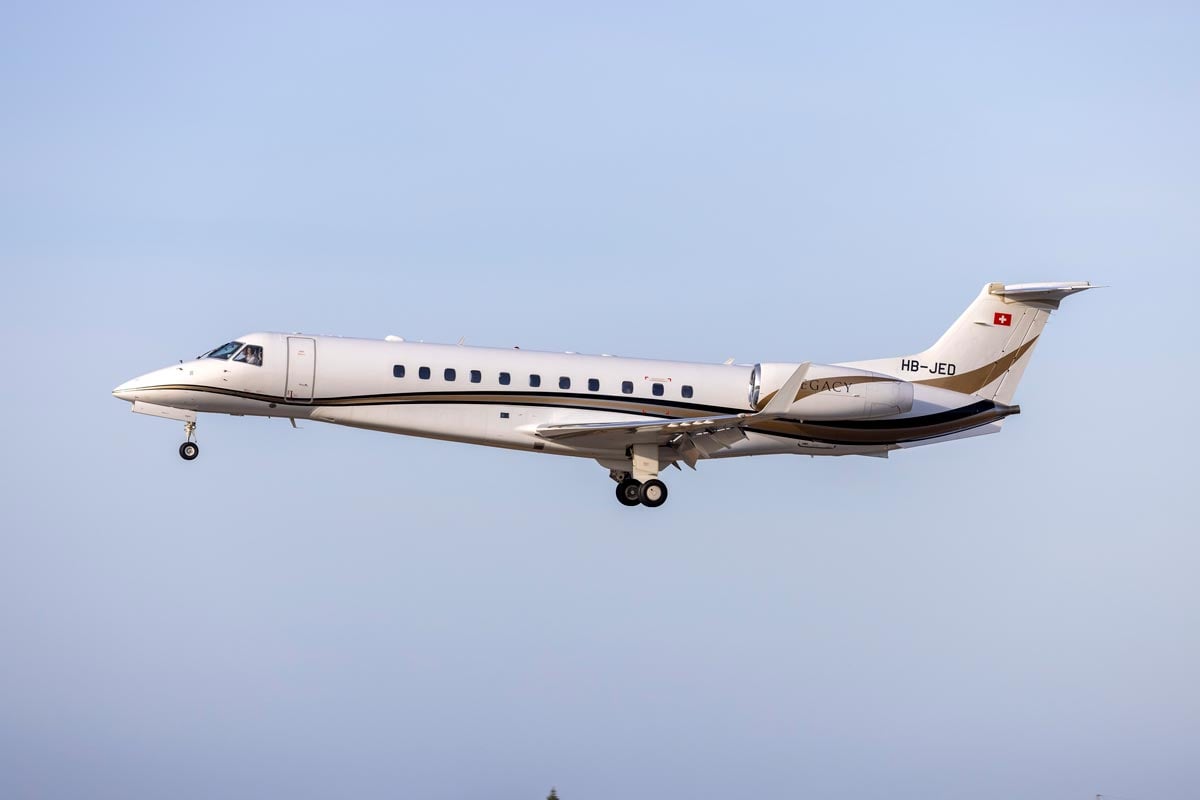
{"x": 398, "y": 371}
{"x": 449, "y": 374}
{"x": 564, "y": 382}
{"x": 626, "y": 387}
{"x": 686, "y": 391}
{"x": 656, "y": 389}
{"x": 251, "y": 354}
{"x": 476, "y": 376}
{"x": 593, "y": 384}
{"x": 535, "y": 380}
{"x": 423, "y": 373}
{"x": 505, "y": 379}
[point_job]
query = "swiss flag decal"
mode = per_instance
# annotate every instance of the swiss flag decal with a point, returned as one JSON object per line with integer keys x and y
{"x": 1000, "y": 318}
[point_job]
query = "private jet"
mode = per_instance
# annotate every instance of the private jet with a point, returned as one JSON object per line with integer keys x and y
{"x": 636, "y": 417}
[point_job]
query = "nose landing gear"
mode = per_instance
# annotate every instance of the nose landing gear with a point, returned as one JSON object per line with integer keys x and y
{"x": 189, "y": 449}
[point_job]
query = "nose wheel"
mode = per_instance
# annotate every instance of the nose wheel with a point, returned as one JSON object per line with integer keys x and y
{"x": 189, "y": 449}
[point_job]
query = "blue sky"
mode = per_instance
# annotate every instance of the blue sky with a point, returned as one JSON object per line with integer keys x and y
{"x": 329, "y": 612}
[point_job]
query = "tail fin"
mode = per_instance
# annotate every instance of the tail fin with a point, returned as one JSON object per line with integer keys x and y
{"x": 986, "y": 350}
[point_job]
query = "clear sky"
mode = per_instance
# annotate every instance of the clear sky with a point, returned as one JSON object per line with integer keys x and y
{"x": 327, "y": 612}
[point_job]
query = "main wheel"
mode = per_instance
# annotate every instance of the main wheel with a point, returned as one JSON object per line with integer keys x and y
{"x": 653, "y": 493}
{"x": 189, "y": 450}
{"x": 629, "y": 492}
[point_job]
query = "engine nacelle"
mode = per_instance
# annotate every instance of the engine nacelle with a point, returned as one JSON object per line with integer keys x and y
{"x": 831, "y": 392}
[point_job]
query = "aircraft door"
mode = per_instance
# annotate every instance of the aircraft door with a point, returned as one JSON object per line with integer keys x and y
{"x": 301, "y": 368}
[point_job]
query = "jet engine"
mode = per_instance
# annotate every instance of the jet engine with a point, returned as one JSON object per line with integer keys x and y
{"x": 830, "y": 392}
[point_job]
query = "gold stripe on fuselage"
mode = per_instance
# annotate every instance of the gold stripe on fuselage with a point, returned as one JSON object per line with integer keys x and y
{"x": 972, "y": 381}
{"x": 817, "y": 385}
{"x": 864, "y": 432}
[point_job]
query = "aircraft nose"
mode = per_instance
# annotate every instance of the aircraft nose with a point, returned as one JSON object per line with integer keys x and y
{"x": 128, "y": 390}
{"x": 125, "y": 389}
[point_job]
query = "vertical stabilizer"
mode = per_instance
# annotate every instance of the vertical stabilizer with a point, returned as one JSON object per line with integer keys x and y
{"x": 986, "y": 350}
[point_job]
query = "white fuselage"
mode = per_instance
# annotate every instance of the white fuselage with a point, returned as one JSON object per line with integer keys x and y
{"x": 634, "y": 416}
{"x": 499, "y": 397}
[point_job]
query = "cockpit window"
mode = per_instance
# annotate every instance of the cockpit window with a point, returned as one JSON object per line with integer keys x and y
{"x": 250, "y": 354}
{"x": 224, "y": 351}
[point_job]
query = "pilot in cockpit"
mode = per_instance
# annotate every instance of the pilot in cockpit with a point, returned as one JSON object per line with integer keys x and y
{"x": 251, "y": 354}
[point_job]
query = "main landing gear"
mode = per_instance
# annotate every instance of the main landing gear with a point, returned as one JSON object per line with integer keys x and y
{"x": 631, "y": 492}
{"x": 189, "y": 449}
{"x": 637, "y": 478}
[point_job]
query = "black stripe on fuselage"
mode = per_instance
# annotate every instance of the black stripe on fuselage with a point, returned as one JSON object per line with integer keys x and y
{"x": 877, "y": 432}
{"x": 628, "y": 405}
{"x": 845, "y": 432}
{"x": 942, "y": 417}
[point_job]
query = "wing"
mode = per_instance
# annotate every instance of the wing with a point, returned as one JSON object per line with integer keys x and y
{"x": 644, "y": 431}
{"x": 618, "y": 434}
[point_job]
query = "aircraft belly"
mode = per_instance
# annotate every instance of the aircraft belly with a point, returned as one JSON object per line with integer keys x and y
{"x": 471, "y": 424}
{"x": 204, "y": 401}
{"x": 459, "y": 423}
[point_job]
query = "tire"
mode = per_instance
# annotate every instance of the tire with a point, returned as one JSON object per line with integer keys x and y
{"x": 653, "y": 493}
{"x": 629, "y": 492}
{"x": 188, "y": 451}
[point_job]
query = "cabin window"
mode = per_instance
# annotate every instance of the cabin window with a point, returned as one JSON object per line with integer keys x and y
{"x": 251, "y": 354}
{"x": 449, "y": 374}
{"x": 535, "y": 381}
{"x": 593, "y": 384}
{"x": 686, "y": 391}
{"x": 398, "y": 371}
{"x": 564, "y": 382}
{"x": 656, "y": 389}
{"x": 476, "y": 376}
{"x": 626, "y": 387}
{"x": 423, "y": 373}
{"x": 224, "y": 351}
{"x": 505, "y": 379}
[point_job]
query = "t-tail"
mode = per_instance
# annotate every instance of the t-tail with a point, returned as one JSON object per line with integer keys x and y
{"x": 986, "y": 350}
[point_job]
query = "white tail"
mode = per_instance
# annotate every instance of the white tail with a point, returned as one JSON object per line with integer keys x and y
{"x": 986, "y": 350}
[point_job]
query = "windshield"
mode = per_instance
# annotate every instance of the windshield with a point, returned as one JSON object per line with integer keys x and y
{"x": 224, "y": 351}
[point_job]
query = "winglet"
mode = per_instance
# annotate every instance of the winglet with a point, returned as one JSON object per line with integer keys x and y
{"x": 778, "y": 405}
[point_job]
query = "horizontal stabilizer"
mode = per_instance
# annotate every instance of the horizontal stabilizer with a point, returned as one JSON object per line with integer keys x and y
{"x": 1049, "y": 294}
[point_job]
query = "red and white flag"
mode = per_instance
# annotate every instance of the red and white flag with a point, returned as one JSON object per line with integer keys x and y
{"x": 1000, "y": 318}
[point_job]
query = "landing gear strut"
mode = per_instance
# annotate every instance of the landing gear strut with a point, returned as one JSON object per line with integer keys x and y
{"x": 189, "y": 449}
